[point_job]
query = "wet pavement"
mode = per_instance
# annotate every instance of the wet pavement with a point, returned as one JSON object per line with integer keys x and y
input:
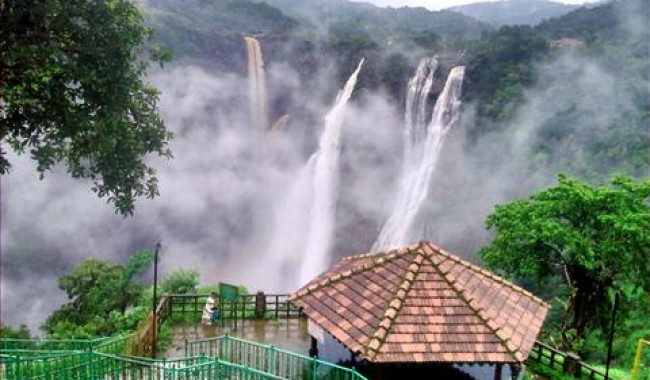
{"x": 287, "y": 334}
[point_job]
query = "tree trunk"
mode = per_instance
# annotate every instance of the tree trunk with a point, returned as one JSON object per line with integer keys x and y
{"x": 579, "y": 308}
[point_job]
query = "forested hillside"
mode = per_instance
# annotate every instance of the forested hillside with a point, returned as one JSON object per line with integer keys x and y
{"x": 565, "y": 54}
{"x": 514, "y": 12}
{"x": 593, "y": 63}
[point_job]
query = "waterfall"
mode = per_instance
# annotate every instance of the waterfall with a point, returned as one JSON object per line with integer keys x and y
{"x": 256, "y": 83}
{"x": 416, "y": 100}
{"x": 422, "y": 145}
{"x": 303, "y": 222}
{"x": 325, "y": 186}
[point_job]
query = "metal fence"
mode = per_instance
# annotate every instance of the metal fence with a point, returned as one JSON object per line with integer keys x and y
{"x": 92, "y": 365}
{"x": 269, "y": 359}
{"x": 247, "y": 306}
{"x": 108, "y": 359}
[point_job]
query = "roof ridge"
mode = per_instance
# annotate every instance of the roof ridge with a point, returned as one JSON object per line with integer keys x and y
{"x": 385, "y": 257}
{"x": 398, "y": 250}
{"x": 484, "y": 272}
{"x": 477, "y": 311}
{"x": 395, "y": 306}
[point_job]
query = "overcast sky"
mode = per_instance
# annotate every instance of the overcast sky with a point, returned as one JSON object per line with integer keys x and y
{"x": 440, "y": 4}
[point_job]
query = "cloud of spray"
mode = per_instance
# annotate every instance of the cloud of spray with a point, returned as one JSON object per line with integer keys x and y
{"x": 219, "y": 193}
{"x": 578, "y": 100}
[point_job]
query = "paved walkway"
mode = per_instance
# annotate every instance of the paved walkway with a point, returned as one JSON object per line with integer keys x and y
{"x": 287, "y": 334}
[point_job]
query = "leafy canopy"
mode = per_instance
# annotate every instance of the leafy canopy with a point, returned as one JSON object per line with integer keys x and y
{"x": 596, "y": 238}
{"x": 100, "y": 295}
{"x": 180, "y": 281}
{"x": 72, "y": 91}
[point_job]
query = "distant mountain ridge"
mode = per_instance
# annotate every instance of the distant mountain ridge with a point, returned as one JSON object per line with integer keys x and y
{"x": 514, "y": 12}
{"x": 382, "y": 20}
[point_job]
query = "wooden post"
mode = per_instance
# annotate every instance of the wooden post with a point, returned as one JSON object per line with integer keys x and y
{"x": 571, "y": 365}
{"x": 260, "y": 304}
{"x": 234, "y": 313}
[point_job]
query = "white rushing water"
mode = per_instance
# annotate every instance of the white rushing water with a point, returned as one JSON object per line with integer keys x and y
{"x": 256, "y": 83}
{"x": 326, "y": 186}
{"x": 303, "y": 222}
{"x": 417, "y": 97}
{"x": 422, "y": 145}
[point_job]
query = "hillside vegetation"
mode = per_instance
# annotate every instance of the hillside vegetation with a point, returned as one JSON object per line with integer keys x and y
{"x": 514, "y": 12}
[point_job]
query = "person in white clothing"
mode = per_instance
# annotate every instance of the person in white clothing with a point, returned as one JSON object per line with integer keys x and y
{"x": 210, "y": 311}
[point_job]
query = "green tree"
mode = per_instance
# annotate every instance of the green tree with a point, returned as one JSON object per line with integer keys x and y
{"x": 72, "y": 91}
{"x": 180, "y": 281}
{"x": 595, "y": 238}
{"x": 100, "y": 293}
{"x": 8, "y": 332}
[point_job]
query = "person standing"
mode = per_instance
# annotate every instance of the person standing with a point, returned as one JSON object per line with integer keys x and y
{"x": 210, "y": 311}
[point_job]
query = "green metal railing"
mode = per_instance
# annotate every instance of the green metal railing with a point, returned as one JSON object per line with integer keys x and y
{"x": 50, "y": 344}
{"x": 92, "y": 365}
{"x": 42, "y": 348}
{"x": 220, "y": 358}
{"x": 269, "y": 359}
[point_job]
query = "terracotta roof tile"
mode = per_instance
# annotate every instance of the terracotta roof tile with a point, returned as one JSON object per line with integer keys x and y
{"x": 422, "y": 304}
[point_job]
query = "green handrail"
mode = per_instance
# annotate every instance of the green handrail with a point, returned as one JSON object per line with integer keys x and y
{"x": 269, "y": 359}
{"x": 97, "y": 365}
{"x": 50, "y": 344}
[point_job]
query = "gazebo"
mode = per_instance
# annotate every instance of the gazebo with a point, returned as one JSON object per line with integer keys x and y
{"x": 420, "y": 306}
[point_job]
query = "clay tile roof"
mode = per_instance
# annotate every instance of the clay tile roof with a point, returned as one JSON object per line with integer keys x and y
{"x": 422, "y": 304}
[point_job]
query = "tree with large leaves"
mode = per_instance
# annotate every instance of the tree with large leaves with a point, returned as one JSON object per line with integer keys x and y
{"x": 99, "y": 293}
{"x": 72, "y": 91}
{"x": 597, "y": 239}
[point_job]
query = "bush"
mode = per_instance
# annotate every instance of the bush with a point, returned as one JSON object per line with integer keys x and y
{"x": 181, "y": 281}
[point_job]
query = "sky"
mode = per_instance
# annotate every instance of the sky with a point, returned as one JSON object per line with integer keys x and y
{"x": 441, "y": 4}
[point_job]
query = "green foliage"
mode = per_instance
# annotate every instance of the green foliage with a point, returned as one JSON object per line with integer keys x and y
{"x": 71, "y": 90}
{"x": 180, "y": 281}
{"x": 101, "y": 295}
{"x": 501, "y": 65}
{"x": 426, "y": 39}
{"x": 548, "y": 372}
{"x": 577, "y": 134}
{"x": 630, "y": 327}
{"x": 7, "y": 332}
{"x": 594, "y": 238}
{"x": 348, "y": 38}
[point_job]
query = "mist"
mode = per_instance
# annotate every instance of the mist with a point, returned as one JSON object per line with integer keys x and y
{"x": 217, "y": 212}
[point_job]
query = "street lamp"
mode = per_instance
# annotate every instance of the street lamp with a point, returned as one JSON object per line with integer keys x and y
{"x": 155, "y": 285}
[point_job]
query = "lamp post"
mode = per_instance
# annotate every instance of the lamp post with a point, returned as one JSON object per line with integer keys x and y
{"x": 154, "y": 331}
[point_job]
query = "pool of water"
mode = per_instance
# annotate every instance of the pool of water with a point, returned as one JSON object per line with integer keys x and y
{"x": 287, "y": 334}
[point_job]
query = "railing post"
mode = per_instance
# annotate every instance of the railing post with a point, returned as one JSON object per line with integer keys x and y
{"x": 270, "y": 361}
{"x": 637, "y": 358}
{"x": 571, "y": 365}
{"x": 260, "y": 304}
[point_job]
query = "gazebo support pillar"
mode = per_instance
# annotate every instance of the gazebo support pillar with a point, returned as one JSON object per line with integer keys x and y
{"x": 498, "y": 369}
{"x": 515, "y": 369}
{"x": 313, "y": 350}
